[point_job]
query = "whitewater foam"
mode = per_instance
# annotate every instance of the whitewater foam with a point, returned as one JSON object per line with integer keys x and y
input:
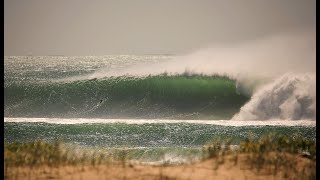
{"x": 290, "y": 96}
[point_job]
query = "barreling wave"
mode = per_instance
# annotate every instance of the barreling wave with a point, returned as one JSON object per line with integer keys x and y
{"x": 183, "y": 96}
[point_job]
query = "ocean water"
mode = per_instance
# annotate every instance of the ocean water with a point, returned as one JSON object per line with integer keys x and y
{"x": 152, "y": 104}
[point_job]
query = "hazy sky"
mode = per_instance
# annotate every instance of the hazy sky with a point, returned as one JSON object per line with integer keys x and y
{"x": 85, "y": 27}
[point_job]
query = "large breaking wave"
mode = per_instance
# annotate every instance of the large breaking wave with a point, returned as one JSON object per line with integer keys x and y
{"x": 184, "y": 96}
{"x": 162, "y": 96}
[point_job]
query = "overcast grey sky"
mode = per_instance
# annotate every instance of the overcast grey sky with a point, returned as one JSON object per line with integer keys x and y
{"x": 83, "y": 27}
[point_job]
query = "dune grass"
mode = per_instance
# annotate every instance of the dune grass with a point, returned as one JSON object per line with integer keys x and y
{"x": 270, "y": 154}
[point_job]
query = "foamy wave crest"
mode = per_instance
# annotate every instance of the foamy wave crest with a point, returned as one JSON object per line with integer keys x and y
{"x": 290, "y": 96}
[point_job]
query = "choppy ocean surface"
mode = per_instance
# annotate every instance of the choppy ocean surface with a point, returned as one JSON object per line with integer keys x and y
{"x": 135, "y": 101}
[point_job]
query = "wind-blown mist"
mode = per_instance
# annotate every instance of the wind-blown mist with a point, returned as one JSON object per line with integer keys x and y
{"x": 269, "y": 56}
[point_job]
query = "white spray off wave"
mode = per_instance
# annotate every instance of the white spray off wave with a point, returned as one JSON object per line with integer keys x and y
{"x": 277, "y": 71}
{"x": 270, "y": 56}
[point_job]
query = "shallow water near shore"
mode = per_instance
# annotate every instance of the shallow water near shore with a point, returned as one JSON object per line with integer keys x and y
{"x": 154, "y": 141}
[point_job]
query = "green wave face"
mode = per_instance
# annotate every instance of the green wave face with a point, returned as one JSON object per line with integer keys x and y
{"x": 162, "y": 96}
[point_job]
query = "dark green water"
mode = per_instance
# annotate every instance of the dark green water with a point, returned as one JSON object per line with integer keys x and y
{"x": 143, "y": 135}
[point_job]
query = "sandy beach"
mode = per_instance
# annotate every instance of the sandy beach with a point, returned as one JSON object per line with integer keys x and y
{"x": 227, "y": 168}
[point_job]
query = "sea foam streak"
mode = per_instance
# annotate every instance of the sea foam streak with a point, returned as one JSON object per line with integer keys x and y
{"x": 274, "y": 122}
